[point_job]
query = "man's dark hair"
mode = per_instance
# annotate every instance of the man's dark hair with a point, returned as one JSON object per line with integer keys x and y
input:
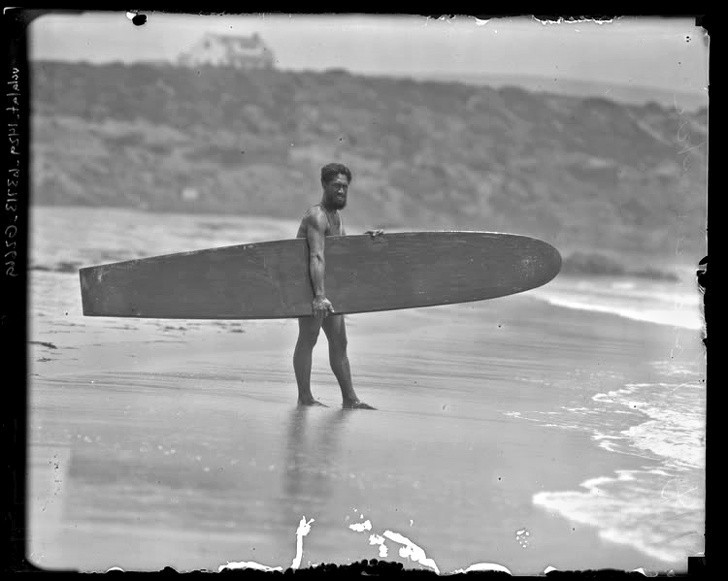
{"x": 331, "y": 170}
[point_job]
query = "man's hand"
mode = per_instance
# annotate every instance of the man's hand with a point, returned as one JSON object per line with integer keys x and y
{"x": 322, "y": 307}
{"x": 374, "y": 233}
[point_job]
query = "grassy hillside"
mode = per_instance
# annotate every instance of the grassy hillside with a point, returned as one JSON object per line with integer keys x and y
{"x": 583, "y": 173}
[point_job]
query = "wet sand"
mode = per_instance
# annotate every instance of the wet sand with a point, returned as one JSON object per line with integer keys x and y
{"x": 178, "y": 443}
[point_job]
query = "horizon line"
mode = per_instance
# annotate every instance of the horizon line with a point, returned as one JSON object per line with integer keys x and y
{"x": 458, "y": 76}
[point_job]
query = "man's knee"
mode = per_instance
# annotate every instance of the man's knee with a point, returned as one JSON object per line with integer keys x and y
{"x": 308, "y": 334}
{"x": 338, "y": 344}
{"x": 308, "y": 339}
{"x": 336, "y": 334}
{"x": 342, "y": 343}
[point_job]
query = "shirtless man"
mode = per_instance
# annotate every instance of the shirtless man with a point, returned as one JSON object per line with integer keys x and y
{"x": 320, "y": 221}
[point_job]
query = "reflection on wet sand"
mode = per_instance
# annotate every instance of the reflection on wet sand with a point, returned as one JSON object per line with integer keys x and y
{"x": 312, "y": 452}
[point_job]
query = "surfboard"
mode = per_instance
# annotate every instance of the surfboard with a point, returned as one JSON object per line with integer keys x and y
{"x": 270, "y": 280}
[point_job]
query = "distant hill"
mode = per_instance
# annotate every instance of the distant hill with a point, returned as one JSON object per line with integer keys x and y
{"x": 584, "y": 173}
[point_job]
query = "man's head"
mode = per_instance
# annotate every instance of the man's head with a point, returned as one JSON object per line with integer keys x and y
{"x": 335, "y": 179}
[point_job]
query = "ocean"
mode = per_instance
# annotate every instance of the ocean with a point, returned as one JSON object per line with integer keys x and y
{"x": 651, "y": 423}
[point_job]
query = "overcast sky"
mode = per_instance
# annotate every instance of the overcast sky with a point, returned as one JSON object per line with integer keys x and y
{"x": 657, "y": 52}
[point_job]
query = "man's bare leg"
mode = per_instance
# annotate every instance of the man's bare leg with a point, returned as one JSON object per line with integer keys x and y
{"x": 308, "y": 331}
{"x": 335, "y": 330}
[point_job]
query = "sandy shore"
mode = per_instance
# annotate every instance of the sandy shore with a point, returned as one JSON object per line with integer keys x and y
{"x": 156, "y": 443}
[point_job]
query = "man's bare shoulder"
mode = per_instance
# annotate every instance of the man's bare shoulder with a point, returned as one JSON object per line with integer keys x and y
{"x": 314, "y": 217}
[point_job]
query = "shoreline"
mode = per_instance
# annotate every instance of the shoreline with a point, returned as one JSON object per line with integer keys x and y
{"x": 238, "y": 359}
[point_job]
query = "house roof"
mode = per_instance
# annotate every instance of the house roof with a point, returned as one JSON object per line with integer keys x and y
{"x": 253, "y": 41}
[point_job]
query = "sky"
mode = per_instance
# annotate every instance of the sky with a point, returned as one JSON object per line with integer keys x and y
{"x": 665, "y": 53}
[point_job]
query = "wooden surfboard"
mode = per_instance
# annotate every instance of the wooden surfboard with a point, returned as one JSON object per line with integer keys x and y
{"x": 270, "y": 280}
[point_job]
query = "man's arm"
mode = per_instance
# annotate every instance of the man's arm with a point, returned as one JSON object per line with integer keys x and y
{"x": 316, "y": 236}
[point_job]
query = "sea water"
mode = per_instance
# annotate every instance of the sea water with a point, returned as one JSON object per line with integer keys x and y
{"x": 658, "y": 509}
{"x": 676, "y": 304}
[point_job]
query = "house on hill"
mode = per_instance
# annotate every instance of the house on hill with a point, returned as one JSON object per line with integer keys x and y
{"x": 240, "y": 52}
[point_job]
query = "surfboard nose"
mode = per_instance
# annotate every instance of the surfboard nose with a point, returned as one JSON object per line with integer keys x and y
{"x": 554, "y": 259}
{"x": 539, "y": 264}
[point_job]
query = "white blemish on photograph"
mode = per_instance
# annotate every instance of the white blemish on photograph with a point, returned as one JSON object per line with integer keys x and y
{"x": 361, "y": 527}
{"x": 411, "y": 551}
{"x": 304, "y": 527}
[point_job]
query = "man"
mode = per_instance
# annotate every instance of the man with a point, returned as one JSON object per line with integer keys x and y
{"x": 320, "y": 221}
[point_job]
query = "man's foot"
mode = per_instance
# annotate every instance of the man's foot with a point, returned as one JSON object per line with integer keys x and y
{"x": 356, "y": 405}
{"x": 310, "y": 402}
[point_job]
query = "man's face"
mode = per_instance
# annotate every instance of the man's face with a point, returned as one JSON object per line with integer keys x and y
{"x": 335, "y": 191}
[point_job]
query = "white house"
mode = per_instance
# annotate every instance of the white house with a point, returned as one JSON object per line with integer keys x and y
{"x": 240, "y": 52}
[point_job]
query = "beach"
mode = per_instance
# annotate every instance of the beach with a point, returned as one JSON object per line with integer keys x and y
{"x": 530, "y": 431}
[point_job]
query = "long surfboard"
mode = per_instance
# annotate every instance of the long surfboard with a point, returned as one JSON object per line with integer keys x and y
{"x": 270, "y": 280}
